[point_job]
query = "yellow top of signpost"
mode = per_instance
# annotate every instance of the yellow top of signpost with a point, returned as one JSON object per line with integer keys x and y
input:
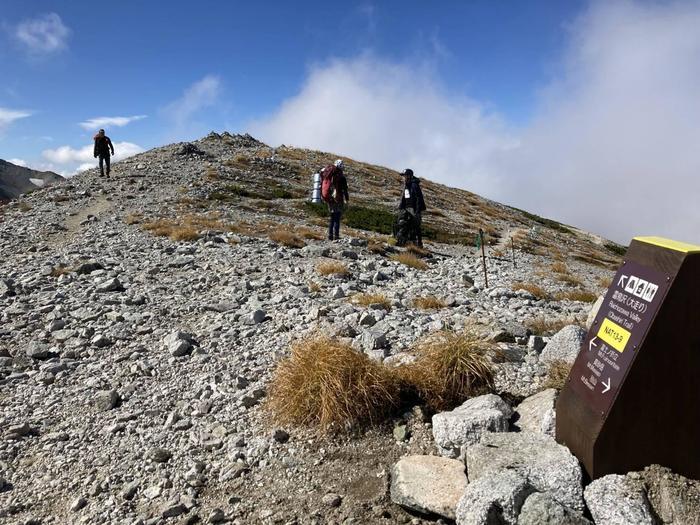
{"x": 670, "y": 244}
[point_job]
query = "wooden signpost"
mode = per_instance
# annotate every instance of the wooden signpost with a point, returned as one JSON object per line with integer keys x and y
{"x": 632, "y": 398}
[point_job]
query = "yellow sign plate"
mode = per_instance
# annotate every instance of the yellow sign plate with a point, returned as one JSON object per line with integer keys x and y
{"x": 614, "y": 335}
{"x": 670, "y": 244}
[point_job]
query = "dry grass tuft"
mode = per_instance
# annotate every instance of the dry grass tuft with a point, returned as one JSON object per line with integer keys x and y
{"x": 212, "y": 174}
{"x": 569, "y": 279}
{"x": 59, "y": 270}
{"x": 187, "y": 228}
{"x": 534, "y": 289}
{"x": 366, "y": 299}
{"x": 449, "y": 368}
{"x": 24, "y": 206}
{"x": 605, "y": 281}
{"x": 583, "y": 296}
{"x": 417, "y": 251}
{"x": 544, "y": 326}
{"x": 411, "y": 260}
{"x": 429, "y": 302}
{"x": 133, "y": 218}
{"x": 314, "y": 287}
{"x": 332, "y": 268}
{"x": 287, "y": 238}
{"x": 559, "y": 267}
{"x": 557, "y": 375}
{"x": 376, "y": 247}
{"x": 328, "y": 383}
{"x": 308, "y": 233}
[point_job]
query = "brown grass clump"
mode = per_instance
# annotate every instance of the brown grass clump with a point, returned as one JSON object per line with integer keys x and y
{"x": 417, "y": 250}
{"x": 133, "y": 218}
{"x": 366, "y": 299}
{"x": 544, "y": 326}
{"x": 429, "y": 302}
{"x": 449, "y": 368}
{"x": 605, "y": 281}
{"x": 411, "y": 260}
{"x": 308, "y": 233}
{"x": 187, "y": 228}
{"x": 557, "y": 374}
{"x": 332, "y": 268}
{"x": 212, "y": 174}
{"x": 559, "y": 267}
{"x": 583, "y": 296}
{"x": 286, "y": 238}
{"x": 534, "y": 289}
{"x": 327, "y": 383}
{"x": 569, "y": 279}
{"x": 24, "y": 207}
{"x": 184, "y": 233}
{"x": 314, "y": 287}
{"x": 376, "y": 247}
{"x": 59, "y": 270}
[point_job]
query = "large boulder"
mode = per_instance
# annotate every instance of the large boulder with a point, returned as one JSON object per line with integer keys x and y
{"x": 428, "y": 484}
{"x": 494, "y": 499}
{"x": 618, "y": 500}
{"x": 548, "y": 466}
{"x": 542, "y": 509}
{"x": 457, "y": 429}
{"x": 675, "y": 499}
{"x": 564, "y": 345}
{"x": 536, "y": 413}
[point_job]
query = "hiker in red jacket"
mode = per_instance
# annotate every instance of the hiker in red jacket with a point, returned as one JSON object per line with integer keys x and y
{"x": 102, "y": 148}
{"x": 334, "y": 191}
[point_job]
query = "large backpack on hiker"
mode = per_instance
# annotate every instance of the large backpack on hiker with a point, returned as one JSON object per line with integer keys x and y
{"x": 330, "y": 177}
{"x": 404, "y": 227}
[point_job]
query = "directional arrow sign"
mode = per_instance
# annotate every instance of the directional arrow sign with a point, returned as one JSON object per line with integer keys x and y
{"x": 606, "y": 385}
{"x": 622, "y": 281}
{"x": 591, "y": 343}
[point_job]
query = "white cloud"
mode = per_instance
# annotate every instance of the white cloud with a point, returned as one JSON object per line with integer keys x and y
{"x": 44, "y": 34}
{"x": 101, "y": 122}
{"x": 8, "y": 116}
{"x": 391, "y": 114}
{"x": 18, "y": 162}
{"x": 200, "y": 95}
{"x": 82, "y": 158}
{"x": 613, "y": 146}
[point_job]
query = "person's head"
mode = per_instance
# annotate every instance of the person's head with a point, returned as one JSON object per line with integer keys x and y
{"x": 101, "y": 133}
{"x": 407, "y": 174}
{"x": 339, "y": 164}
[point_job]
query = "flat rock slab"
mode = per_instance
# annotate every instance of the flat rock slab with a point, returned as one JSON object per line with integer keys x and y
{"x": 618, "y": 500}
{"x": 542, "y": 509}
{"x": 428, "y": 484}
{"x": 455, "y": 430}
{"x": 536, "y": 413}
{"x": 548, "y": 466}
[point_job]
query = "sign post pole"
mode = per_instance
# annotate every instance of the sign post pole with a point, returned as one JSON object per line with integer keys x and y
{"x": 632, "y": 396}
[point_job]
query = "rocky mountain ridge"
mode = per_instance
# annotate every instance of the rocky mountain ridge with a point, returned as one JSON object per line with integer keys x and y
{"x": 142, "y": 318}
{"x": 17, "y": 180}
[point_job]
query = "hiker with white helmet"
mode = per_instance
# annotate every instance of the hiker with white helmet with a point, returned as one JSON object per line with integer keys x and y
{"x": 334, "y": 192}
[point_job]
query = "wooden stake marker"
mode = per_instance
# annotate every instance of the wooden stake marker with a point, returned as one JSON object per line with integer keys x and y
{"x": 632, "y": 398}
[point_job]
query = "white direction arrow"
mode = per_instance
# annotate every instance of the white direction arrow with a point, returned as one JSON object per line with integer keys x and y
{"x": 621, "y": 281}
{"x": 591, "y": 344}
{"x": 607, "y": 386}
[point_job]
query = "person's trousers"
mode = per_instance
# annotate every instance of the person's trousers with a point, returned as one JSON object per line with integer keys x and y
{"x": 417, "y": 234}
{"x": 334, "y": 225}
{"x": 105, "y": 159}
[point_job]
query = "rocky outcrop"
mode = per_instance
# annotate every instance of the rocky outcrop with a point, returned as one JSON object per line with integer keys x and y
{"x": 16, "y": 180}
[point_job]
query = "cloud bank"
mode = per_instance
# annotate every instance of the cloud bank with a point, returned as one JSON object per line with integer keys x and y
{"x": 613, "y": 146}
{"x": 71, "y": 160}
{"x": 101, "y": 122}
{"x": 200, "y": 95}
{"x": 44, "y": 34}
{"x": 8, "y": 116}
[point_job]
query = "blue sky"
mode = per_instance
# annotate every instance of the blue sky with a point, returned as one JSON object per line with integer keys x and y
{"x": 537, "y": 104}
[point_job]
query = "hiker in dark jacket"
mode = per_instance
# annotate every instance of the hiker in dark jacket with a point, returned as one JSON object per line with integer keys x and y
{"x": 337, "y": 201}
{"x": 102, "y": 148}
{"x": 412, "y": 200}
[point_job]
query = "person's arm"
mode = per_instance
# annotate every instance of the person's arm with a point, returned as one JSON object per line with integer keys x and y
{"x": 94, "y": 151}
{"x": 109, "y": 141}
{"x": 345, "y": 190}
{"x": 419, "y": 197}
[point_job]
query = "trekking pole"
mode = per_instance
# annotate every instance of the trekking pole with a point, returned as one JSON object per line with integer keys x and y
{"x": 512, "y": 250}
{"x": 483, "y": 256}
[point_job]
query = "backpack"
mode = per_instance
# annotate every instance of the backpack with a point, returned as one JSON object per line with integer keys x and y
{"x": 329, "y": 184}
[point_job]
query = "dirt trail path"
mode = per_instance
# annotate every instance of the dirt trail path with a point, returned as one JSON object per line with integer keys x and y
{"x": 73, "y": 224}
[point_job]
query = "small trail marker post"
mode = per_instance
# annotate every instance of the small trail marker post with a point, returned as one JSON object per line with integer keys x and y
{"x": 632, "y": 396}
{"x": 512, "y": 250}
{"x": 480, "y": 242}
